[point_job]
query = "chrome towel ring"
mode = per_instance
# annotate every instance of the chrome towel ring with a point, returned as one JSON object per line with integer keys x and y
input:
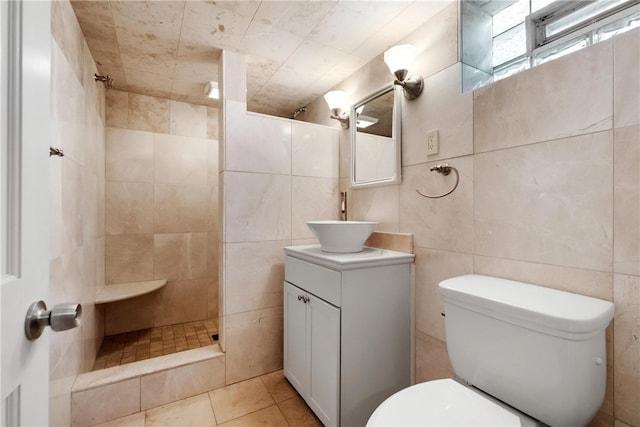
{"x": 445, "y": 169}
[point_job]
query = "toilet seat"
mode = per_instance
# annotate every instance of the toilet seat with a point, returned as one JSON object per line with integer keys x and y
{"x": 444, "y": 403}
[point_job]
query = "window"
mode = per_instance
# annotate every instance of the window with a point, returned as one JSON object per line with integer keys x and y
{"x": 526, "y": 33}
{"x": 570, "y": 18}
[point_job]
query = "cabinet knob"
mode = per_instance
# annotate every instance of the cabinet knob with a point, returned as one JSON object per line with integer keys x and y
{"x": 303, "y": 299}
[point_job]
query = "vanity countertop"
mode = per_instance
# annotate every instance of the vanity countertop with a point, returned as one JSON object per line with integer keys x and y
{"x": 368, "y": 257}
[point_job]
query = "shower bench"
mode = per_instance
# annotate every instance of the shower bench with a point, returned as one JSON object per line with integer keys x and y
{"x": 122, "y": 291}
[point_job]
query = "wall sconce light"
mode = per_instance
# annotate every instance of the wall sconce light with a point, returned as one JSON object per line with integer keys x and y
{"x": 337, "y": 102}
{"x": 211, "y": 90}
{"x": 399, "y": 59}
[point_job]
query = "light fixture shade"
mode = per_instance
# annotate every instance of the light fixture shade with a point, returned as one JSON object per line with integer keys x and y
{"x": 211, "y": 90}
{"x": 400, "y": 57}
{"x": 336, "y": 100}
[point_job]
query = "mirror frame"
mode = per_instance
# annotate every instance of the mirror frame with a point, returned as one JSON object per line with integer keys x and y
{"x": 396, "y": 132}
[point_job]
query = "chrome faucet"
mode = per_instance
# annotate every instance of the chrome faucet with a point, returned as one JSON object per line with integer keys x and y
{"x": 343, "y": 205}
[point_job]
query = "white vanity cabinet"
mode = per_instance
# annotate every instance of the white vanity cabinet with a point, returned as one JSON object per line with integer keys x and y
{"x": 347, "y": 333}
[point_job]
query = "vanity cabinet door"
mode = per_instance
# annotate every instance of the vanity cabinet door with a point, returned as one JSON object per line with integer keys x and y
{"x": 295, "y": 338}
{"x": 312, "y": 351}
{"x": 323, "y": 342}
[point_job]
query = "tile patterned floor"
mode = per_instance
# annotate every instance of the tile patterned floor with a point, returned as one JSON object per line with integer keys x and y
{"x": 147, "y": 343}
{"x": 266, "y": 401}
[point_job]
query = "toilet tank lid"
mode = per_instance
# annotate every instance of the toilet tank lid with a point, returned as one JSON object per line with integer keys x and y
{"x": 522, "y": 302}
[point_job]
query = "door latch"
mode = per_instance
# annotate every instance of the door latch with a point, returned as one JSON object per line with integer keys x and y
{"x": 56, "y": 152}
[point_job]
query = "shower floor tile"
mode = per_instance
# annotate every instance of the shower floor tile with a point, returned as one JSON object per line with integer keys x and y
{"x": 144, "y": 344}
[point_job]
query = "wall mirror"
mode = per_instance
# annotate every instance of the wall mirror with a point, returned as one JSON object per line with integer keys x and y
{"x": 375, "y": 138}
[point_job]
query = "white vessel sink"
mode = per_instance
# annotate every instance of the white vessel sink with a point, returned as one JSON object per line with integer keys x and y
{"x": 341, "y": 236}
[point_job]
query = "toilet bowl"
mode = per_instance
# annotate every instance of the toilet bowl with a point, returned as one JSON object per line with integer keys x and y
{"x": 523, "y": 355}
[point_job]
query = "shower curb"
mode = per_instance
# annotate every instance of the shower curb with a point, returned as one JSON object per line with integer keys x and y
{"x": 111, "y": 393}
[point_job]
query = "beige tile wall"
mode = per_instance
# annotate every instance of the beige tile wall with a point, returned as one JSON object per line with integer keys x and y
{"x": 77, "y": 204}
{"x": 549, "y": 192}
{"x": 276, "y": 174}
{"x": 161, "y": 209}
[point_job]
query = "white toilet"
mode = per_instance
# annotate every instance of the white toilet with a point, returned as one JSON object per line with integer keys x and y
{"x": 522, "y": 355}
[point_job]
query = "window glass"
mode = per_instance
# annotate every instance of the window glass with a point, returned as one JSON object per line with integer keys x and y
{"x": 626, "y": 24}
{"x": 581, "y": 15}
{"x": 561, "y": 50}
{"x": 536, "y": 5}
{"x": 509, "y": 44}
{"x": 511, "y": 68}
{"x": 510, "y": 17}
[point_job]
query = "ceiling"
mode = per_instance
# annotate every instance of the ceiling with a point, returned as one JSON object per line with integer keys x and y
{"x": 296, "y": 50}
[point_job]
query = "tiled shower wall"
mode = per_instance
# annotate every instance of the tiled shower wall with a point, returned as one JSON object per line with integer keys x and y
{"x": 161, "y": 209}
{"x": 549, "y": 189}
{"x": 276, "y": 174}
{"x": 77, "y": 204}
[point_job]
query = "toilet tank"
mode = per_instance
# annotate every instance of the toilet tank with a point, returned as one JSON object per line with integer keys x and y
{"x": 538, "y": 349}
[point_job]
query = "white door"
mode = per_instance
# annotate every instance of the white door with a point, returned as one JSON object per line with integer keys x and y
{"x": 25, "y": 36}
{"x": 295, "y": 332}
{"x": 323, "y": 348}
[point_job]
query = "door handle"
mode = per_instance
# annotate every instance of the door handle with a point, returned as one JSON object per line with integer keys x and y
{"x": 303, "y": 299}
{"x": 60, "y": 318}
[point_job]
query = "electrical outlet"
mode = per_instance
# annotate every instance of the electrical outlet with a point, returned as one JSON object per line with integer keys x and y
{"x": 432, "y": 142}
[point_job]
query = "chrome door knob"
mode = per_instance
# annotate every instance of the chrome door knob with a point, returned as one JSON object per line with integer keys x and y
{"x": 60, "y": 318}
